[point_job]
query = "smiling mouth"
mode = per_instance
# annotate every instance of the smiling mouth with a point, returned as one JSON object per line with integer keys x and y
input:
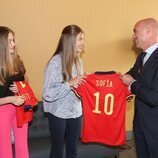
{"x": 12, "y": 50}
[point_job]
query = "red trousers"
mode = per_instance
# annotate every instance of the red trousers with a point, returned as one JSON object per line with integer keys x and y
{"x": 7, "y": 124}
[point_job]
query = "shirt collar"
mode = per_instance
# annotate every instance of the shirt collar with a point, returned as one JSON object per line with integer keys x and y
{"x": 151, "y": 49}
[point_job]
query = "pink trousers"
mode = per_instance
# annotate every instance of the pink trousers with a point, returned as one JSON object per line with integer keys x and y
{"x": 7, "y": 124}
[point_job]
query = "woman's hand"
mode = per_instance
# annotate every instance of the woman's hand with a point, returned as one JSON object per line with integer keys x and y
{"x": 77, "y": 80}
{"x": 13, "y": 87}
{"x": 17, "y": 100}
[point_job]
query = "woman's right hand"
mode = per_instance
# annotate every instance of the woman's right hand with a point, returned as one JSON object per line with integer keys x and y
{"x": 17, "y": 100}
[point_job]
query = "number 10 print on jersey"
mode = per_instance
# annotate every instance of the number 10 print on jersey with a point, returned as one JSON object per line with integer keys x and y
{"x": 104, "y": 105}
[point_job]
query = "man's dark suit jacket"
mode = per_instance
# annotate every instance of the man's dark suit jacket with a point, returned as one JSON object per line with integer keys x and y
{"x": 145, "y": 89}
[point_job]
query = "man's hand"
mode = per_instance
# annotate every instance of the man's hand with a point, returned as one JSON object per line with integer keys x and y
{"x": 127, "y": 79}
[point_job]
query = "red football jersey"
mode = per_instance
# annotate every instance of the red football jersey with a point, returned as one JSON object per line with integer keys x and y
{"x": 104, "y": 104}
{"x": 24, "y": 113}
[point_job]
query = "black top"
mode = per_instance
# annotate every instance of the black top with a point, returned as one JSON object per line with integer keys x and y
{"x": 4, "y": 90}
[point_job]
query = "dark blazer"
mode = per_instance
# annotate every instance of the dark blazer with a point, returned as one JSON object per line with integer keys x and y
{"x": 145, "y": 89}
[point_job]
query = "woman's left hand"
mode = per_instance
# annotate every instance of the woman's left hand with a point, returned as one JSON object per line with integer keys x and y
{"x": 13, "y": 87}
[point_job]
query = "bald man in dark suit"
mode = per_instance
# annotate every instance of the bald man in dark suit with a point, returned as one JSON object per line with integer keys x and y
{"x": 142, "y": 80}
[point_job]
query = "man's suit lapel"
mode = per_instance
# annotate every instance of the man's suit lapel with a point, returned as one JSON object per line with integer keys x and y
{"x": 153, "y": 57}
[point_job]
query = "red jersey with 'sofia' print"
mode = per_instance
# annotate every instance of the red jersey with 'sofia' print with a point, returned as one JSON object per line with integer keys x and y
{"x": 104, "y": 104}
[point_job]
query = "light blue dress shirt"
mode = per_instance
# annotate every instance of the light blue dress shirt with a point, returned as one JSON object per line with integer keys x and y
{"x": 149, "y": 51}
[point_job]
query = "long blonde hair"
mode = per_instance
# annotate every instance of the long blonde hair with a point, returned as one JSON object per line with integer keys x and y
{"x": 10, "y": 64}
{"x": 67, "y": 49}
